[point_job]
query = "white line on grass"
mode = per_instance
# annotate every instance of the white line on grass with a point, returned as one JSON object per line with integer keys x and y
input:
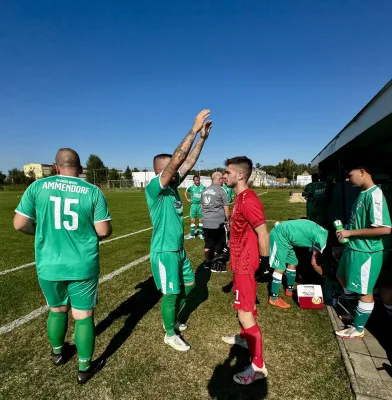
{"x": 39, "y": 311}
{"x": 8, "y": 271}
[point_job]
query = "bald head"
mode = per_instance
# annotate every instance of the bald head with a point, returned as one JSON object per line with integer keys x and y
{"x": 217, "y": 178}
{"x": 67, "y": 160}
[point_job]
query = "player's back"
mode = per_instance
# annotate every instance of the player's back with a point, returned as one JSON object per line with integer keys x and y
{"x": 66, "y": 242}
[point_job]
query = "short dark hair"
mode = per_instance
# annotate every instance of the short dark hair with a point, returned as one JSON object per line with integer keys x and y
{"x": 162, "y": 156}
{"x": 243, "y": 162}
{"x": 196, "y": 176}
{"x": 365, "y": 167}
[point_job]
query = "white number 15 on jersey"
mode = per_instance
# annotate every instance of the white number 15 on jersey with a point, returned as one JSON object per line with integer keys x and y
{"x": 67, "y": 211}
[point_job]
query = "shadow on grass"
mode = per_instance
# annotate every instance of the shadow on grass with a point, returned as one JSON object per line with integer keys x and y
{"x": 135, "y": 307}
{"x": 221, "y": 385}
{"x": 198, "y": 295}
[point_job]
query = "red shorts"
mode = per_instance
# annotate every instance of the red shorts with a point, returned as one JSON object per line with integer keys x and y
{"x": 244, "y": 292}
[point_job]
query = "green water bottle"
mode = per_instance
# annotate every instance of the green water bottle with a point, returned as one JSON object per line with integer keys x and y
{"x": 339, "y": 227}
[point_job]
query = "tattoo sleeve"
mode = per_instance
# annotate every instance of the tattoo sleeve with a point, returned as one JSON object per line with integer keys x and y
{"x": 193, "y": 156}
{"x": 179, "y": 156}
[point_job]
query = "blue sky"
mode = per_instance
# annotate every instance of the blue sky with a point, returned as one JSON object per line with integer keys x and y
{"x": 125, "y": 81}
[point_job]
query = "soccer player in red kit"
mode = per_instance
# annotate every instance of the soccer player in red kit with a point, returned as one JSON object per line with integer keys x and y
{"x": 249, "y": 247}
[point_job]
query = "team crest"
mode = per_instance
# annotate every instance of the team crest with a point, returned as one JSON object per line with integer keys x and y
{"x": 207, "y": 200}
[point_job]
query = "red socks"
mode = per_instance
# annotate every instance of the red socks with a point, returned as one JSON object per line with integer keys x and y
{"x": 242, "y": 330}
{"x": 255, "y": 345}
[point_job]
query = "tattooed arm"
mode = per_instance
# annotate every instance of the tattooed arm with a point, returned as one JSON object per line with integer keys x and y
{"x": 182, "y": 151}
{"x": 193, "y": 156}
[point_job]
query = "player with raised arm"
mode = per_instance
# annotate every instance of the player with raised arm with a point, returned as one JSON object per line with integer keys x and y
{"x": 195, "y": 192}
{"x": 68, "y": 217}
{"x": 249, "y": 240}
{"x": 171, "y": 268}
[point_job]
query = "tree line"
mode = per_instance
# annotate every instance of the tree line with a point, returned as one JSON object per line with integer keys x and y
{"x": 96, "y": 173}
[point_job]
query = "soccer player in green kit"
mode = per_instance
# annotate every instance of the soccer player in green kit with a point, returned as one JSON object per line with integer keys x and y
{"x": 195, "y": 191}
{"x": 68, "y": 217}
{"x": 285, "y": 236}
{"x": 308, "y": 194}
{"x": 229, "y": 191}
{"x": 361, "y": 262}
{"x": 171, "y": 268}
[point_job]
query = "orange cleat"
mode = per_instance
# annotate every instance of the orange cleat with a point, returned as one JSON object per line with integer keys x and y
{"x": 288, "y": 293}
{"x": 280, "y": 303}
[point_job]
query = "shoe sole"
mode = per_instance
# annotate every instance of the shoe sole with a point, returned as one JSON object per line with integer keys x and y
{"x": 239, "y": 382}
{"x": 175, "y": 347}
{"x": 243, "y": 345}
{"x": 350, "y": 337}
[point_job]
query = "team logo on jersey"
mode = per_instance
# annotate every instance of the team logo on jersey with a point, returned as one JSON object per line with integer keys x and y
{"x": 207, "y": 200}
{"x": 316, "y": 300}
{"x": 359, "y": 205}
{"x": 178, "y": 207}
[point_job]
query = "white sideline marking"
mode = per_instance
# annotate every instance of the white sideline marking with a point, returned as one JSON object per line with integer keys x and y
{"x": 39, "y": 311}
{"x": 8, "y": 271}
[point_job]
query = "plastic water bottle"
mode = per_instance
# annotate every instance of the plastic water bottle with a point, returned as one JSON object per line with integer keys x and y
{"x": 339, "y": 227}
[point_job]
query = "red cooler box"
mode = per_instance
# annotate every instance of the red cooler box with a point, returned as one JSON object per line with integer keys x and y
{"x": 310, "y": 296}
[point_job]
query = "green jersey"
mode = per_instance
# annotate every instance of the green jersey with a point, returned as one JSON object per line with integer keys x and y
{"x": 369, "y": 210}
{"x": 195, "y": 192}
{"x": 319, "y": 194}
{"x": 303, "y": 233}
{"x": 166, "y": 213}
{"x": 230, "y": 193}
{"x": 309, "y": 193}
{"x": 65, "y": 210}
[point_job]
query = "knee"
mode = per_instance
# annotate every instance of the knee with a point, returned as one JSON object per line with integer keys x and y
{"x": 81, "y": 314}
{"x": 190, "y": 284}
{"x": 61, "y": 309}
{"x": 245, "y": 318}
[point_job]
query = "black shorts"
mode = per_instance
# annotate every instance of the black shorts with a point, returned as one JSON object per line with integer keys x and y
{"x": 215, "y": 239}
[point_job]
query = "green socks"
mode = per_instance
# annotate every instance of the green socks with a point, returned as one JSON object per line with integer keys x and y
{"x": 200, "y": 228}
{"x": 182, "y": 297}
{"x": 169, "y": 313}
{"x": 362, "y": 314}
{"x": 275, "y": 285}
{"x": 57, "y": 328}
{"x": 85, "y": 341}
{"x": 192, "y": 229}
{"x": 290, "y": 276}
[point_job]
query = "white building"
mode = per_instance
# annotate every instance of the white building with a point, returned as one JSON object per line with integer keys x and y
{"x": 142, "y": 179}
{"x": 304, "y": 179}
{"x": 260, "y": 178}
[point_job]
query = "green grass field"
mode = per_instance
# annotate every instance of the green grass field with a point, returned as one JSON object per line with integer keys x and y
{"x": 300, "y": 349}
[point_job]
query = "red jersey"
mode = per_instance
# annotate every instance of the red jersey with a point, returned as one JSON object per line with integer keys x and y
{"x": 248, "y": 214}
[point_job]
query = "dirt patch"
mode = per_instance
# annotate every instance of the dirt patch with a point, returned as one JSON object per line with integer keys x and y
{"x": 297, "y": 198}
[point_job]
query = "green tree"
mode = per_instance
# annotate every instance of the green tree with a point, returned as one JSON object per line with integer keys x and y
{"x": 113, "y": 175}
{"x": 16, "y": 177}
{"x": 258, "y": 165}
{"x": 96, "y": 170}
{"x": 2, "y": 178}
{"x": 128, "y": 175}
{"x": 53, "y": 171}
{"x": 135, "y": 170}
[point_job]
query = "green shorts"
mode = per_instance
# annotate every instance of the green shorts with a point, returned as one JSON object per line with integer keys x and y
{"x": 281, "y": 252}
{"x": 170, "y": 270}
{"x": 81, "y": 295}
{"x": 360, "y": 269}
{"x": 196, "y": 211}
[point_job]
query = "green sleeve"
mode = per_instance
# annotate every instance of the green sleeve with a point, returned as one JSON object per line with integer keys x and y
{"x": 378, "y": 209}
{"x": 188, "y": 189}
{"x": 26, "y": 205}
{"x": 101, "y": 210}
{"x": 154, "y": 188}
